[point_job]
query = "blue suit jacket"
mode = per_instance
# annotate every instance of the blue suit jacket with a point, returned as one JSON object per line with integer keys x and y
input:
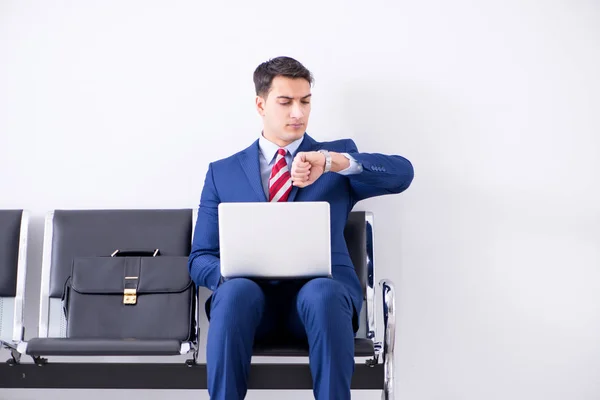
{"x": 237, "y": 179}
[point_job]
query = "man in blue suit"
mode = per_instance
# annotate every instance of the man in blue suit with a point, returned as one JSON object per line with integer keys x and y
{"x": 285, "y": 164}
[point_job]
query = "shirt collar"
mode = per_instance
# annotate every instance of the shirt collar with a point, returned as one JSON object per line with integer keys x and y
{"x": 269, "y": 149}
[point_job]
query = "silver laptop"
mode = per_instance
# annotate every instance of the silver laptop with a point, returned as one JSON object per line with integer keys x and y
{"x": 275, "y": 240}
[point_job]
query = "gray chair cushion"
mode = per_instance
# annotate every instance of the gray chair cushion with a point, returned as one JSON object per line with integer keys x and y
{"x": 10, "y": 231}
{"x": 101, "y": 347}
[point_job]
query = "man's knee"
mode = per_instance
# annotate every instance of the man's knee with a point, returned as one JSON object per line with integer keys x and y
{"x": 238, "y": 296}
{"x": 324, "y": 296}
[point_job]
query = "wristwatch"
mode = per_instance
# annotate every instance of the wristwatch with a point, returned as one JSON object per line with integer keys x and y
{"x": 327, "y": 160}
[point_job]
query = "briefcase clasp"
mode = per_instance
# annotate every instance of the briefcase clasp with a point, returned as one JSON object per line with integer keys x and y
{"x": 129, "y": 296}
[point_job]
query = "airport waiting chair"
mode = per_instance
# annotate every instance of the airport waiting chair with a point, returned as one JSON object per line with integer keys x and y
{"x": 96, "y": 233}
{"x": 13, "y": 263}
{"x": 374, "y": 368}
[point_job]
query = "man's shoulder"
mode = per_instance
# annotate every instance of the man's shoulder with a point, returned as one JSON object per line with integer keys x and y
{"x": 234, "y": 158}
{"x": 224, "y": 161}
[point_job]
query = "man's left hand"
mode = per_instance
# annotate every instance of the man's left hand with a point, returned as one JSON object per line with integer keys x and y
{"x": 307, "y": 168}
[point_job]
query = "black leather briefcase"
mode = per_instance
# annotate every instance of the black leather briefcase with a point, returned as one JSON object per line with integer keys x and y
{"x": 130, "y": 295}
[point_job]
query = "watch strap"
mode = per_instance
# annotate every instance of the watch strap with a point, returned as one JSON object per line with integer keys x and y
{"x": 327, "y": 160}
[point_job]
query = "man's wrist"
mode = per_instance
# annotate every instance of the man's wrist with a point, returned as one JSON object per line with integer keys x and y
{"x": 339, "y": 162}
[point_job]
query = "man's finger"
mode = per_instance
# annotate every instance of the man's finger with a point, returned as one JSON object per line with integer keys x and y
{"x": 301, "y": 156}
{"x": 301, "y": 164}
{"x": 300, "y": 170}
{"x": 301, "y": 180}
{"x": 300, "y": 177}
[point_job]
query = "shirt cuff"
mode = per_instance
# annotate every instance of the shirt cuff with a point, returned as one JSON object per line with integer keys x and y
{"x": 354, "y": 168}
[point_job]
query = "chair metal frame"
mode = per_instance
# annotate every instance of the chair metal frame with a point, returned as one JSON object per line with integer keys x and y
{"x": 18, "y": 333}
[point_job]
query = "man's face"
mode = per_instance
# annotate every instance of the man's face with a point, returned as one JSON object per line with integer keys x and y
{"x": 285, "y": 110}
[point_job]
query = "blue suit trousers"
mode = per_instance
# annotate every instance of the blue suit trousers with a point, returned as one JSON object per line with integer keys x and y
{"x": 243, "y": 312}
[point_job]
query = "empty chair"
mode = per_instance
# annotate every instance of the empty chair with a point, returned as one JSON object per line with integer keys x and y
{"x": 13, "y": 255}
{"x": 81, "y": 276}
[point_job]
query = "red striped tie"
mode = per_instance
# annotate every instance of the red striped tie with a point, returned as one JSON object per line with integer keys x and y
{"x": 280, "y": 182}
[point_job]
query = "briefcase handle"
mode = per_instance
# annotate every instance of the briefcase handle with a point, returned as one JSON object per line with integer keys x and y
{"x": 135, "y": 253}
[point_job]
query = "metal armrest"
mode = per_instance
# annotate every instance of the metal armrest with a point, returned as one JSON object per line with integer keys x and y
{"x": 389, "y": 339}
{"x": 8, "y": 345}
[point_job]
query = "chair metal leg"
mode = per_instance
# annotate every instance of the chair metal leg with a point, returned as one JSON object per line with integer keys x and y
{"x": 389, "y": 321}
{"x": 194, "y": 360}
{"x": 15, "y": 358}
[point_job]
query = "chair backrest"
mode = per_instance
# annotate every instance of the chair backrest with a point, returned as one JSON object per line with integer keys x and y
{"x": 13, "y": 253}
{"x": 359, "y": 240}
{"x": 80, "y": 233}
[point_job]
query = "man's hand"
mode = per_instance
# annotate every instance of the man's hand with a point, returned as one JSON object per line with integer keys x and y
{"x": 307, "y": 168}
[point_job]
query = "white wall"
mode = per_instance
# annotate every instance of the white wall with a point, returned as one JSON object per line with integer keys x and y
{"x": 495, "y": 249}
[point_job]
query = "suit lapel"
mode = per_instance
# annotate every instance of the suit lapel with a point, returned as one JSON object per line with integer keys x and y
{"x": 308, "y": 144}
{"x": 251, "y": 166}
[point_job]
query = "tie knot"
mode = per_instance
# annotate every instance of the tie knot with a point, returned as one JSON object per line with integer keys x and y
{"x": 282, "y": 152}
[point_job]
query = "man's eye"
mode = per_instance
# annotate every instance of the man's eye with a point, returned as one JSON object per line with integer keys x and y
{"x": 285, "y": 104}
{"x": 306, "y": 102}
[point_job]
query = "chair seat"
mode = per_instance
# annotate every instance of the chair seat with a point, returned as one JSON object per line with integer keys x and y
{"x": 362, "y": 348}
{"x": 101, "y": 347}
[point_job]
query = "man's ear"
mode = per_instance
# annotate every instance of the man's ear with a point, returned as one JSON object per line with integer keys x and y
{"x": 260, "y": 105}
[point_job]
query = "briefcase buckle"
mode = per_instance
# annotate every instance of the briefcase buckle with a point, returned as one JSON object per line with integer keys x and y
{"x": 129, "y": 296}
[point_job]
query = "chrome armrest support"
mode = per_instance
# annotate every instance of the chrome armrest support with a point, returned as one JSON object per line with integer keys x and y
{"x": 196, "y": 343}
{"x": 18, "y": 324}
{"x": 371, "y": 323}
{"x": 389, "y": 339}
{"x": 43, "y": 324}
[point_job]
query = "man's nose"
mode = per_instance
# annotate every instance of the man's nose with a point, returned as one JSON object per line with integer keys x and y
{"x": 296, "y": 111}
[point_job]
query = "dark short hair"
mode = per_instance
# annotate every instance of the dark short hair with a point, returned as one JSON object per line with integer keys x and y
{"x": 279, "y": 66}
